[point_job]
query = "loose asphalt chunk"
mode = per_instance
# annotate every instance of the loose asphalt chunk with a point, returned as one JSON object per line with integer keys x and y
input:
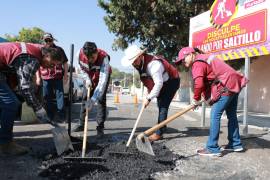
{"x": 135, "y": 166}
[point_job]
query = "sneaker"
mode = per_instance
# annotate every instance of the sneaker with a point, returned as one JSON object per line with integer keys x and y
{"x": 206, "y": 152}
{"x": 233, "y": 149}
{"x": 13, "y": 149}
{"x": 78, "y": 128}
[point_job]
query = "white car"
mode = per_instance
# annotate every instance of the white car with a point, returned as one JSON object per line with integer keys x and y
{"x": 125, "y": 90}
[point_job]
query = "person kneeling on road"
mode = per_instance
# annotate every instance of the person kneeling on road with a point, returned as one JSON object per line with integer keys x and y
{"x": 160, "y": 78}
{"x": 96, "y": 64}
{"x": 220, "y": 85}
{"x": 19, "y": 63}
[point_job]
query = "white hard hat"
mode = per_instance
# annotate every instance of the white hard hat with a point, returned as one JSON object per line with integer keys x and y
{"x": 131, "y": 54}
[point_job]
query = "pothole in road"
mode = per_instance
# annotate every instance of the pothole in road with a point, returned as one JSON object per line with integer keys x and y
{"x": 123, "y": 166}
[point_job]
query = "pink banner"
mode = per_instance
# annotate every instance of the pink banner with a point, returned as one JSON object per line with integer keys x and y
{"x": 242, "y": 32}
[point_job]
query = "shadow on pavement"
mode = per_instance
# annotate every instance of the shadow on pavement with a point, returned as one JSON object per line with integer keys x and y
{"x": 119, "y": 119}
{"x": 255, "y": 143}
{"x": 32, "y": 133}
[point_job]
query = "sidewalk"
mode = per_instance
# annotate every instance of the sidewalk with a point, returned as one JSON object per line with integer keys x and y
{"x": 255, "y": 120}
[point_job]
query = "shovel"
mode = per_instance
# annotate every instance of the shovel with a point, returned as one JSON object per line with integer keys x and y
{"x": 61, "y": 138}
{"x": 142, "y": 142}
{"x": 131, "y": 135}
{"x": 83, "y": 158}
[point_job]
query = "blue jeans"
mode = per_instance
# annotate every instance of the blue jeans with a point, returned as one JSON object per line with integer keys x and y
{"x": 49, "y": 87}
{"x": 9, "y": 105}
{"x": 164, "y": 100}
{"x": 228, "y": 104}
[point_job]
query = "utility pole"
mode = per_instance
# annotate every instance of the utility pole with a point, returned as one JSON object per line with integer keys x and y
{"x": 125, "y": 79}
{"x": 245, "y": 116}
{"x": 133, "y": 81}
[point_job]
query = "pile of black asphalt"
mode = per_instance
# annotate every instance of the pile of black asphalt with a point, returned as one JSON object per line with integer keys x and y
{"x": 132, "y": 164}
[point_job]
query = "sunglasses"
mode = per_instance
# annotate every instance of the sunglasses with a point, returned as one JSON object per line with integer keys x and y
{"x": 48, "y": 40}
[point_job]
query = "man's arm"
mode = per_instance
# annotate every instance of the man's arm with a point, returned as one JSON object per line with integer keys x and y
{"x": 156, "y": 70}
{"x": 65, "y": 64}
{"x": 38, "y": 78}
{"x": 198, "y": 74}
{"x": 26, "y": 69}
{"x": 103, "y": 80}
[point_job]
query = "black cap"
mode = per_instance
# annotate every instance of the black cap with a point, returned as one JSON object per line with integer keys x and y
{"x": 48, "y": 36}
{"x": 89, "y": 48}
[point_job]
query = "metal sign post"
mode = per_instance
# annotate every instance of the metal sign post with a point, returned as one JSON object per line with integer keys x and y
{"x": 245, "y": 117}
{"x": 203, "y": 114}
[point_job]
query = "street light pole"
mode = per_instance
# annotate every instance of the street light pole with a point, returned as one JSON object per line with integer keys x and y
{"x": 245, "y": 116}
{"x": 133, "y": 81}
{"x": 125, "y": 79}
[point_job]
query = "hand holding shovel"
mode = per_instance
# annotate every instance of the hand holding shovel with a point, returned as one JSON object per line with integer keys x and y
{"x": 61, "y": 138}
{"x": 142, "y": 141}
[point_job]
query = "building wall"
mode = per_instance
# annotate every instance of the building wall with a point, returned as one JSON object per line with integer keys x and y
{"x": 259, "y": 85}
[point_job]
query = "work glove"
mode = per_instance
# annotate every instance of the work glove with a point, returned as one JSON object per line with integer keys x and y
{"x": 88, "y": 83}
{"x": 195, "y": 103}
{"x": 146, "y": 102}
{"x": 42, "y": 116}
{"x": 89, "y": 104}
{"x": 209, "y": 102}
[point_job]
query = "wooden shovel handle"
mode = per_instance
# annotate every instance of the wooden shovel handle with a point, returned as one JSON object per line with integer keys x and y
{"x": 85, "y": 124}
{"x": 169, "y": 119}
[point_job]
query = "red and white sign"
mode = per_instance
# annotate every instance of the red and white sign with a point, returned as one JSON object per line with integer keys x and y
{"x": 251, "y": 3}
{"x": 248, "y": 27}
{"x": 238, "y": 34}
{"x": 222, "y": 12}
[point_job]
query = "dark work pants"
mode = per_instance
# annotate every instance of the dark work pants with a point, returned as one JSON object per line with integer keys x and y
{"x": 164, "y": 100}
{"x": 101, "y": 109}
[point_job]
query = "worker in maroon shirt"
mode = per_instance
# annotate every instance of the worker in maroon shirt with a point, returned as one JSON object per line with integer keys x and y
{"x": 19, "y": 63}
{"x": 220, "y": 85}
{"x": 95, "y": 62}
{"x": 52, "y": 81}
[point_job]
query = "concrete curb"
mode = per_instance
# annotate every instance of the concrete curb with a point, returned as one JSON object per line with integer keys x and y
{"x": 182, "y": 105}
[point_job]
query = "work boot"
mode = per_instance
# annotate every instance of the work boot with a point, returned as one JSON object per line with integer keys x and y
{"x": 13, "y": 149}
{"x": 154, "y": 137}
{"x": 78, "y": 128}
{"x": 100, "y": 132}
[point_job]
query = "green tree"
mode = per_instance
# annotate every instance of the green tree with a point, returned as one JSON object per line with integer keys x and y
{"x": 32, "y": 35}
{"x": 160, "y": 25}
{"x": 123, "y": 76}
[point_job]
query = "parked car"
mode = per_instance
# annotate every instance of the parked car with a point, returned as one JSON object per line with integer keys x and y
{"x": 125, "y": 90}
{"x": 78, "y": 88}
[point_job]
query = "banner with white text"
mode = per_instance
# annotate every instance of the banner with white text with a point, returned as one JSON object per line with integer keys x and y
{"x": 247, "y": 32}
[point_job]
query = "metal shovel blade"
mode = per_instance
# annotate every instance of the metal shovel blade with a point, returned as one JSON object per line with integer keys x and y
{"x": 61, "y": 140}
{"x": 143, "y": 144}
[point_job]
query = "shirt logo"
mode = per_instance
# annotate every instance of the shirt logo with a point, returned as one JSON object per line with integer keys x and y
{"x": 222, "y": 12}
